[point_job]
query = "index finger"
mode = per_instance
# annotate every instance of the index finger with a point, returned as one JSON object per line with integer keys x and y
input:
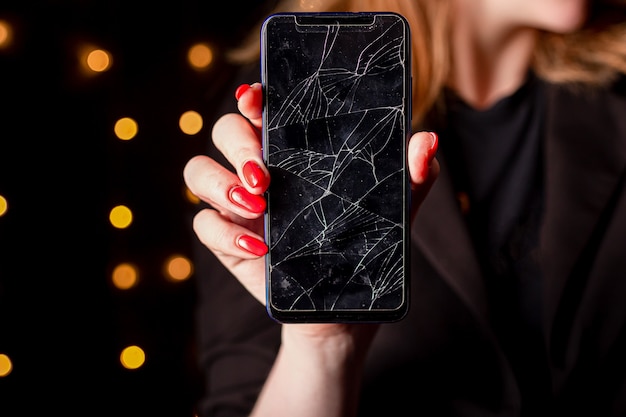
{"x": 250, "y": 103}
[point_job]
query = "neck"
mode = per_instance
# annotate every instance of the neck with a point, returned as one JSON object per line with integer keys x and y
{"x": 490, "y": 60}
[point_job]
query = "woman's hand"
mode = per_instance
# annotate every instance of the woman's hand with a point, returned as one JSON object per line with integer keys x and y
{"x": 328, "y": 356}
{"x": 233, "y": 229}
{"x": 423, "y": 166}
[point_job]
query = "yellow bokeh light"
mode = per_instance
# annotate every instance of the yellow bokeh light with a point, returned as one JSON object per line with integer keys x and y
{"x": 98, "y": 60}
{"x": 178, "y": 268}
{"x": 6, "y": 366}
{"x": 125, "y": 276}
{"x": 132, "y": 357}
{"x": 191, "y": 197}
{"x": 4, "y": 206}
{"x": 5, "y": 34}
{"x": 126, "y": 128}
{"x": 200, "y": 55}
{"x": 121, "y": 217}
{"x": 190, "y": 122}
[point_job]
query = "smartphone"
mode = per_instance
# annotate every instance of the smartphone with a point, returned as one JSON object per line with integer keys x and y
{"x": 336, "y": 122}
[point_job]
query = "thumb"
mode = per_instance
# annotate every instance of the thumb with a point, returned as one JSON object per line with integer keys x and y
{"x": 423, "y": 166}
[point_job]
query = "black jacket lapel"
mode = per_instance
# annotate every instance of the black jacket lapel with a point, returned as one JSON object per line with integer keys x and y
{"x": 441, "y": 234}
{"x": 585, "y": 161}
{"x": 585, "y": 156}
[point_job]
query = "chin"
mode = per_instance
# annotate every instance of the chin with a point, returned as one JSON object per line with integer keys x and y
{"x": 565, "y": 16}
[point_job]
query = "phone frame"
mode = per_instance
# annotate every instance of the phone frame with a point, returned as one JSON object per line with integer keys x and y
{"x": 346, "y": 21}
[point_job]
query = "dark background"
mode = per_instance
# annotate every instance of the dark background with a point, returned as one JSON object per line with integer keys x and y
{"x": 62, "y": 322}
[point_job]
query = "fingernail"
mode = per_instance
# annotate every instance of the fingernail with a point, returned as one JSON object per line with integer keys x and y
{"x": 252, "y": 245}
{"x": 252, "y": 202}
{"x": 240, "y": 90}
{"x": 253, "y": 174}
{"x": 433, "y": 146}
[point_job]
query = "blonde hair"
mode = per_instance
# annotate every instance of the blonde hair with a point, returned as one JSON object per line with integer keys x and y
{"x": 594, "y": 55}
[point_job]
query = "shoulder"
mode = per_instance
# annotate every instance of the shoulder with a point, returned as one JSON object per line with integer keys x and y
{"x": 588, "y": 91}
{"x": 576, "y": 102}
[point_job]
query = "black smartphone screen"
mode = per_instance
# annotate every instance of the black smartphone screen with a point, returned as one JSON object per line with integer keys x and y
{"x": 336, "y": 121}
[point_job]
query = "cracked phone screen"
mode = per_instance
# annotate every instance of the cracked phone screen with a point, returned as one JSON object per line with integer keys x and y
{"x": 336, "y": 121}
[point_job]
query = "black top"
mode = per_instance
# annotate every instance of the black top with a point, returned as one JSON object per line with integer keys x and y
{"x": 445, "y": 358}
{"x": 495, "y": 161}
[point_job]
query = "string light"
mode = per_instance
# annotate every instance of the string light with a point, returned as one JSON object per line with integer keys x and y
{"x": 190, "y": 122}
{"x": 132, "y": 357}
{"x": 4, "y": 206}
{"x": 126, "y": 128}
{"x": 87, "y": 61}
{"x": 189, "y": 196}
{"x": 93, "y": 60}
{"x": 98, "y": 60}
{"x": 200, "y": 56}
{"x": 6, "y": 365}
{"x": 178, "y": 268}
{"x": 125, "y": 276}
{"x": 6, "y": 34}
{"x": 121, "y": 217}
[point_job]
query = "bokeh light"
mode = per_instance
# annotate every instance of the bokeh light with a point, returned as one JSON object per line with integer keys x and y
{"x": 5, "y": 34}
{"x": 191, "y": 197}
{"x": 98, "y": 60}
{"x": 200, "y": 56}
{"x": 4, "y": 206}
{"x": 190, "y": 122}
{"x": 126, "y": 128}
{"x": 93, "y": 59}
{"x": 111, "y": 69}
{"x": 125, "y": 276}
{"x": 132, "y": 357}
{"x": 6, "y": 366}
{"x": 178, "y": 268}
{"x": 121, "y": 217}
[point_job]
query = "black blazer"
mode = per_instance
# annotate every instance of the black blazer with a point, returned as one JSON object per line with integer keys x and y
{"x": 443, "y": 359}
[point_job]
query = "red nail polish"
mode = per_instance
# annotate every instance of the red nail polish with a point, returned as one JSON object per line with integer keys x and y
{"x": 252, "y": 245}
{"x": 254, "y": 175}
{"x": 240, "y": 90}
{"x": 252, "y": 202}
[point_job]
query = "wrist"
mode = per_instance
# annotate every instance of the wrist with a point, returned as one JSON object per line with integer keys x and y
{"x": 333, "y": 346}
{"x": 316, "y": 361}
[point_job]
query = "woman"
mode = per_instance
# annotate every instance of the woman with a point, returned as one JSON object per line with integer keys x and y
{"x": 517, "y": 246}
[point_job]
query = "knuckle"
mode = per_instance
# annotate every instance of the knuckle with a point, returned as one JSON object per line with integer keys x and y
{"x": 207, "y": 227}
{"x": 222, "y": 126}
